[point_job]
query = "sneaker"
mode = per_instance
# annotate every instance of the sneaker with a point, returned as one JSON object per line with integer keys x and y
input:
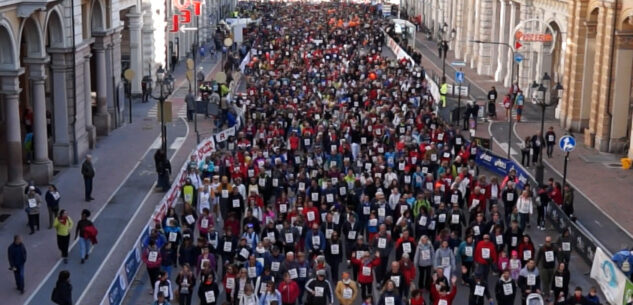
{"x": 542, "y": 228}
{"x": 82, "y": 260}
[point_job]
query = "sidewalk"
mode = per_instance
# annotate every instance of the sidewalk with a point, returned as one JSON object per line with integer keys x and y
{"x": 594, "y": 175}
{"x": 136, "y": 141}
{"x": 601, "y": 207}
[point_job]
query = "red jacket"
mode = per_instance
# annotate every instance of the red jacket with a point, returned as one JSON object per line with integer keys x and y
{"x": 448, "y": 297}
{"x": 479, "y": 249}
{"x": 526, "y": 247}
{"x": 408, "y": 271}
{"x": 289, "y": 291}
{"x": 366, "y": 279}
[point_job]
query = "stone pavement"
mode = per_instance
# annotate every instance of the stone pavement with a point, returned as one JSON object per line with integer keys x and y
{"x": 601, "y": 207}
{"x": 134, "y": 169}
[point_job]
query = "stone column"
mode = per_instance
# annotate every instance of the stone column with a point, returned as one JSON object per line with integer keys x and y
{"x": 102, "y": 118}
{"x": 62, "y": 152}
{"x": 136, "y": 57}
{"x": 502, "y": 50}
{"x": 42, "y": 167}
{"x": 13, "y": 190}
{"x": 475, "y": 24}
{"x": 460, "y": 31}
{"x": 621, "y": 91}
{"x": 470, "y": 30}
{"x": 486, "y": 16}
{"x": 509, "y": 78}
{"x": 90, "y": 128}
{"x": 526, "y": 66}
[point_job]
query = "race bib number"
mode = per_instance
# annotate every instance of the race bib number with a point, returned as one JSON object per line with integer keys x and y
{"x": 406, "y": 247}
{"x": 558, "y": 281}
{"x": 455, "y": 219}
{"x": 152, "y": 256}
{"x": 293, "y": 273}
{"x": 454, "y": 198}
{"x": 366, "y": 271}
{"x": 422, "y": 221}
{"x": 275, "y": 266}
{"x": 510, "y": 196}
{"x": 230, "y": 283}
{"x": 204, "y": 223}
{"x": 227, "y": 246}
{"x": 209, "y": 296}
{"x": 244, "y": 253}
{"x": 310, "y": 216}
{"x": 426, "y": 254}
{"x": 366, "y": 210}
{"x": 351, "y": 235}
{"x": 252, "y": 272}
{"x": 173, "y": 236}
{"x": 381, "y": 212}
{"x": 531, "y": 279}
{"x": 396, "y": 280}
{"x": 318, "y": 291}
{"x": 507, "y": 289}
{"x": 549, "y": 256}
{"x": 485, "y": 253}
{"x": 499, "y": 239}
{"x": 382, "y": 243}
{"x": 446, "y": 261}
{"x": 225, "y": 193}
{"x": 32, "y": 203}
{"x": 347, "y": 293}
{"x": 527, "y": 254}
{"x": 566, "y": 246}
{"x": 283, "y": 208}
{"x": 289, "y": 238}
{"x": 468, "y": 251}
{"x": 479, "y": 290}
{"x": 236, "y": 203}
{"x": 334, "y": 249}
{"x": 316, "y": 241}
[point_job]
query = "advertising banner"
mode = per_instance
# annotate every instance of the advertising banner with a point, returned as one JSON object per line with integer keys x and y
{"x": 611, "y": 280}
{"x": 500, "y": 166}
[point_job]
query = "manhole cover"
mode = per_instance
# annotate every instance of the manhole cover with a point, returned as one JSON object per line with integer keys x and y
{"x": 4, "y": 217}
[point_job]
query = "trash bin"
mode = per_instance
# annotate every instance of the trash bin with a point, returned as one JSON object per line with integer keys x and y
{"x": 626, "y": 163}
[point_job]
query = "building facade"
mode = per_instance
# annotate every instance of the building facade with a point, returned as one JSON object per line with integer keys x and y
{"x": 61, "y": 84}
{"x": 591, "y": 54}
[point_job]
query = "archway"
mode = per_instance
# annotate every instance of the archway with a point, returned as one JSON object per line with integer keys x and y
{"x": 9, "y": 170}
{"x": 57, "y": 102}
{"x": 552, "y": 64}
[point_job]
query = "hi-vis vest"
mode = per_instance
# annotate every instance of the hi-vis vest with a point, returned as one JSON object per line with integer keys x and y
{"x": 444, "y": 89}
{"x": 187, "y": 191}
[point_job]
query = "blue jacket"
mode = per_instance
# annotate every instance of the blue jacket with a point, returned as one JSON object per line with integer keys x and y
{"x": 308, "y": 241}
{"x": 17, "y": 255}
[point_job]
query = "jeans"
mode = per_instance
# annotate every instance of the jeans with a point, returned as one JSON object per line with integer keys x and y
{"x": 88, "y": 187}
{"x": 550, "y": 150}
{"x": 84, "y": 247}
{"x": 52, "y": 213}
{"x": 19, "y": 277}
{"x": 184, "y": 299}
{"x": 523, "y": 220}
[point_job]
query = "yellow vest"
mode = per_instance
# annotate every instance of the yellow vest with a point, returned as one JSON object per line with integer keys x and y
{"x": 444, "y": 89}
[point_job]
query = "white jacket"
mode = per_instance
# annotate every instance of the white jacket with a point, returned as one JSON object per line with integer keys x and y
{"x": 524, "y": 205}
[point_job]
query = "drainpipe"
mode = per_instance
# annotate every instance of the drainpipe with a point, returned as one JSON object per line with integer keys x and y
{"x": 610, "y": 85}
{"x": 74, "y": 122}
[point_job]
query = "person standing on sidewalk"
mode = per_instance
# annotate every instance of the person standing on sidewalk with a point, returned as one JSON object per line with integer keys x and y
{"x": 85, "y": 232}
{"x": 62, "y": 293}
{"x": 537, "y": 146}
{"x": 507, "y": 104}
{"x": 52, "y": 202}
{"x": 443, "y": 92}
{"x": 492, "y": 103}
{"x": 17, "y": 259}
{"x": 32, "y": 208}
{"x": 62, "y": 226}
{"x": 550, "y": 140}
{"x": 518, "y": 101}
{"x": 88, "y": 172}
{"x": 525, "y": 208}
{"x": 526, "y": 150}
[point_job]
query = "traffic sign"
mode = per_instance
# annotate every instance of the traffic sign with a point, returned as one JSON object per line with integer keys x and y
{"x": 518, "y": 57}
{"x": 458, "y": 64}
{"x": 459, "y": 76}
{"x": 567, "y": 143}
{"x": 517, "y": 45}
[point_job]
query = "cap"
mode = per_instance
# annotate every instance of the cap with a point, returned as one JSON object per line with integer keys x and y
{"x": 320, "y": 272}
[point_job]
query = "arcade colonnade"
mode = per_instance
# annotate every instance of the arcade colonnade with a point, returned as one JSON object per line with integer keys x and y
{"x": 61, "y": 85}
{"x": 592, "y": 56}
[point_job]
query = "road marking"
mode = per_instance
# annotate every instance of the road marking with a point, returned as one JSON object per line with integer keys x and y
{"x": 177, "y": 143}
{"x": 156, "y": 144}
{"x": 48, "y": 275}
{"x": 598, "y": 223}
{"x": 504, "y": 147}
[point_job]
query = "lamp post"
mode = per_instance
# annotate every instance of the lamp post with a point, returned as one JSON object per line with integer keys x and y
{"x": 444, "y": 37}
{"x": 511, "y": 81}
{"x": 543, "y": 100}
{"x": 160, "y": 81}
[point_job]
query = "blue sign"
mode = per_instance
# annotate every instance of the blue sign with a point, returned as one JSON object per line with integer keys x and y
{"x": 567, "y": 143}
{"x": 501, "y": 166}
{"x": 518, "y": 57}
{"x": 459, "y": 77}
{"x": 458, "y": 64}
{"x": 115, "y": 294}
{"x": 132, "y": 263}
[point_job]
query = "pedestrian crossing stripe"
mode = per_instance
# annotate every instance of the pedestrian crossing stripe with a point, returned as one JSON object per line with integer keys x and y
{"x": 153, "y": 112}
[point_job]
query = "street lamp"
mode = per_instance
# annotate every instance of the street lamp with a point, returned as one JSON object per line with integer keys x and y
{"x": 160, "y": 81}
{"x": 543, "y": 100}
{"x": 444, "y": 37}
{"x": 507, "y": 45}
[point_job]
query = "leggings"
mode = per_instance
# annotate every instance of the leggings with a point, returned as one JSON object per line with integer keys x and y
{"x": 62, "y": 244}
{"x": 424, "y": 279}
{"x": 365, "y": 290}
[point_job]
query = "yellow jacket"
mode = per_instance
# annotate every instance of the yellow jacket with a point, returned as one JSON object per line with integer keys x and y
{"x": 340, "y": 286}
{"x": 63, "y": 229}
{"x": 444, "y": 88}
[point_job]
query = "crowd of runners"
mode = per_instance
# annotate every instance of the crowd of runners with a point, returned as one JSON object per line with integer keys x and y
{"x": 343, "y": 186}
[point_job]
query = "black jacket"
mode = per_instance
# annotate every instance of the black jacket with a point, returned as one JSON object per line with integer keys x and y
{"x": 505, "y": 295}
{"x": 87, "y": 170}
{"x": 62, "y": 294}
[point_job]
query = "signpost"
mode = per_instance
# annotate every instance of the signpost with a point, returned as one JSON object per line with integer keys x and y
{"x": 567, "y": 144}
{"x": 459, "y": 77}
{"x": 518, "y": 57}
